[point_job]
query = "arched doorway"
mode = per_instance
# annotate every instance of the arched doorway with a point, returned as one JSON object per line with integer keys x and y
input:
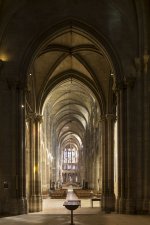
{"x": 70, "y": 104}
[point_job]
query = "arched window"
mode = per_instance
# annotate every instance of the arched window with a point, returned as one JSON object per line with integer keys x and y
{"x": 70, "y": 158}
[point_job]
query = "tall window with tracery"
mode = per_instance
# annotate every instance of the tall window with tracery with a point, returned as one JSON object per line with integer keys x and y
{"x": 70, "y": 156}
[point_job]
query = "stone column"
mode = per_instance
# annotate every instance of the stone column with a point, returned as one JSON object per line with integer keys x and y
{"x": 121, "y": 122}
{"x": 18, "y": 203}
{"x": 14, "y": 155}
{"x": 21, "y": 153}
{"x": 110, "y": 162}
{"x": 35, "y": 176}
{"x": 105, "y": 184}
{"x": 97, "y": 162}
{"x": 103, "y": 172}
{"x": 139, "y": 136}
{"x": 32, "y": 162}
{"x": 94, "y": 173}
{"x": 130, "y": 200}
{"x": 146, "y": 180}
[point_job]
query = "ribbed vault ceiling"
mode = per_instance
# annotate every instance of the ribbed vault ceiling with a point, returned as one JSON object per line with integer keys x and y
{"x": 69, "y": 106}
{"x": 68, "y": 101}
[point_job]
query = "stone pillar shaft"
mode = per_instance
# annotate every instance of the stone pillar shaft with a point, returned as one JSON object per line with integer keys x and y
{"x": 146, "y": 180}
{"x": 110, "y": 124}
{"x": 139, "y": 137}
{"x": 130, "y": 153}
{"x": 21, "y": 153}
{"x": 18, "y": 202}
{"x": 35, "y": 173}
{"x": 108, "y": 198}
{"x": 121, "y": 150}
{"x": 104, "y": 169}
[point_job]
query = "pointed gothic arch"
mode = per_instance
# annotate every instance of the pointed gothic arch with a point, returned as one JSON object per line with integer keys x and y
{"x": 107, "y": 105}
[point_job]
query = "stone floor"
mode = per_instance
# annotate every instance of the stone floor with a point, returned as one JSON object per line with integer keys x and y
{"x": 54, "y": 213}
{"x": 79, "y": 219}
{"x": 55, "y": 206}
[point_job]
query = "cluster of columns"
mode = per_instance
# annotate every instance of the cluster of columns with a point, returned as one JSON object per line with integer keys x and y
{"x": 16, "y": 187}
{"x": 108, "y": 197}
{"x": 35, "y": 195}
{"x": 134, "y": 142}
{"x": 24, "y": 153}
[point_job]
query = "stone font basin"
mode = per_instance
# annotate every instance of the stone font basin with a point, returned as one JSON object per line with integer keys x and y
{"x": 72, "y": 204}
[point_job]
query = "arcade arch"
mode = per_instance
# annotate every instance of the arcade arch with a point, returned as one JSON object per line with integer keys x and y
{"x": 70, "y": 106}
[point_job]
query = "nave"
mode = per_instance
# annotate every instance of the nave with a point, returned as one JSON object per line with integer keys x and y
{"x": 74, "y": 109}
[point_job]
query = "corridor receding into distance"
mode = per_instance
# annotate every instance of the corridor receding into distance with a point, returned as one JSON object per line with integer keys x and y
{"x": 67, "y": 126}
{"x": 74, "y": 112}
{"x": 69, "y": 131}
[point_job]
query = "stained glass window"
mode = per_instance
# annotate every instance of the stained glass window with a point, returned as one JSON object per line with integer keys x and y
{"x": 70, "y": 155}
{"x": 70, "y": 163}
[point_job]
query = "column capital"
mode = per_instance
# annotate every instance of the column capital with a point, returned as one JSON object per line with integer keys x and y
{"x": 30, "y": 116}
{"x": 102, "y": 118}
{"x": 110, "y": 116}
{"x": 34, "y": 117}
{"x": 39, "y": 118}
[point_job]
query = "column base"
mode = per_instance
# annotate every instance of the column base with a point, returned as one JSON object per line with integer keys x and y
{"x": 35, "y": 203}
{"x": 122, "y": 205}
{"x": 146, "y": 206}
{"x": 139, "y": 206}
{"x": 117, "y": 205}
{"x": 4, "y": 205}
{"x": 22, "y": 206}
{"x": 130, "y": 206}
{"x": 18, "y": 206}
{"x": 108, "y": 204}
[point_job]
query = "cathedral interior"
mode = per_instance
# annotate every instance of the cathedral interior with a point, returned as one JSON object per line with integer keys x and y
{"x": 75, "y": 104}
